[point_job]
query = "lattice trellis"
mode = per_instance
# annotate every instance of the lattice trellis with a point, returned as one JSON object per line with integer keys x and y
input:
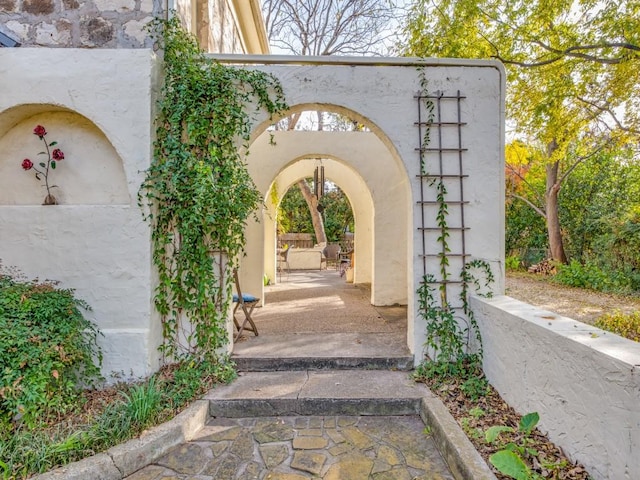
{"x": 441, "y": 155}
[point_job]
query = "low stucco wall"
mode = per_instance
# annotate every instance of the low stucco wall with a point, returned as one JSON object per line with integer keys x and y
{"x": 584, "y": 382}
{"x": 305, "y": 258}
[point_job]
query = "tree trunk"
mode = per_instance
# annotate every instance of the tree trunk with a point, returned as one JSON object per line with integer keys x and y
{"x": 316, "y": 217}
{"x": 556, "y": 245}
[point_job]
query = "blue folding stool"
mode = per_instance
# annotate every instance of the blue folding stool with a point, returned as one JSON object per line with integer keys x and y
{"x": 247, "y": 303}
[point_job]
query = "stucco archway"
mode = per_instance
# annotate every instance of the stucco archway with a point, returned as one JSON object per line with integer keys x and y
{"x": 376, "y": 185}
{"x": 383, "y": 94}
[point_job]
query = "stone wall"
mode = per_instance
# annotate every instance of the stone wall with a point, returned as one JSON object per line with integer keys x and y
{"x": 79, "y": 23}
{"x": 584, "y": 382}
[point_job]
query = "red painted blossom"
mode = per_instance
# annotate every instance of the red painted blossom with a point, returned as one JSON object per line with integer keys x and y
{"x": 57, "y": 154}
{"x": 39, "y": 131}
{"x": 27, "y": 164}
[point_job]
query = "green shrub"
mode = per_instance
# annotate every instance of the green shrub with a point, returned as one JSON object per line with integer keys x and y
{"x": 513, "y": 262}
{"x": 626, "y": 325}
{"x": 467, "y": 371}
{"x": 591, "y": 275}
{"x": 48, "y": 351}
{"x": 588, "y": 275}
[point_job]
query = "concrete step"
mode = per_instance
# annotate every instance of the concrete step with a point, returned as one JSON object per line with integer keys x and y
{"x": 324, "y": 392}
{"x": 299, "y": 351}
{"x": 267, "y": 364}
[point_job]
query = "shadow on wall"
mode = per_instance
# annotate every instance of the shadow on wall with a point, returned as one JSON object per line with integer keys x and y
{"x": 91, "y": 172}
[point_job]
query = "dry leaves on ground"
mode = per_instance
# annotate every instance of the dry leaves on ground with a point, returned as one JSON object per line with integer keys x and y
{"x": 475, "y": 417}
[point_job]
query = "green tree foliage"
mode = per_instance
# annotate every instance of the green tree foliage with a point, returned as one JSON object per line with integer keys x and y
{"x": 294, "y": 216}
{"x": 573, "y": 74}
{"x": 601, "y": 223}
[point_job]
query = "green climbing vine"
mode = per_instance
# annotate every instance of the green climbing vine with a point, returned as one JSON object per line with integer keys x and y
{"x": 449, "y": 330}
{"x": 197, "y": 192}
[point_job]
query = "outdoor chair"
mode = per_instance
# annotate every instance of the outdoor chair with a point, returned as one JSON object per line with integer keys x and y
{"x": 345, "y": 261}
{"x": 246, "y": 302}
{"x": 331, "y": 254}
{"x": 283, "y": 260}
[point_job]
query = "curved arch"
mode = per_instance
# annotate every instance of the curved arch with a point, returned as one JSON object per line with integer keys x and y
{"x": 261, "y": 127}
{"x": 92, "y": 172}
{"x": 355, "y": 188}
{"x": 382, "y": 253}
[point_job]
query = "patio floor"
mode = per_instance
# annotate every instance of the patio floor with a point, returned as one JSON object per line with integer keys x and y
{"x": 317, "y": 314}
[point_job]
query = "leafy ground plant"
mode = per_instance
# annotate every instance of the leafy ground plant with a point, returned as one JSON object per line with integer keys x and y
{"x": 510, "y": 460}
{"x": 48, "y": 352}
{"x": 479, "y": 414}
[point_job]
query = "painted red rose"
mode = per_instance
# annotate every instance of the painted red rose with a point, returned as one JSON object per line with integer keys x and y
{"x": 27, "y": 164}
{"x": 39, "y": 131}
{"x": 57, "y": 154}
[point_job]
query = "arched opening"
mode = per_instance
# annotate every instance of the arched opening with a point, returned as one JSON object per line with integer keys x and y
{"x": 364, "y": 164}
{"x": 356, "y": 191}
{"x": 294, "y": 218}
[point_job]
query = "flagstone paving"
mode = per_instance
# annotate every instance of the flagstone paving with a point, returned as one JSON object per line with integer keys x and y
{"x": 298, "y": 447}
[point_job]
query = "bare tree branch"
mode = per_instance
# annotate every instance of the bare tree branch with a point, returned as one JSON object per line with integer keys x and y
{"x": 524, "y": 180}
{"x": 611, "y": 113}
{"x": 576, "y": 51}
{"x": 580, "y": 160}
{"x": 537, "y": 209}
{"x": 329, "y": 27}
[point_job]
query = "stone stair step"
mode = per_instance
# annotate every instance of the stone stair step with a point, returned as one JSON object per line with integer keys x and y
{"x": 323, "y": 392}
{"x": 300, "y": 351}
{"x": 273, "y": 364}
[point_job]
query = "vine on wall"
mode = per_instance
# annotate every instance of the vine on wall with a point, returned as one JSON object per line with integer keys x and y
{"x": 448, "y": 334}
{"x": 198, "y": 191}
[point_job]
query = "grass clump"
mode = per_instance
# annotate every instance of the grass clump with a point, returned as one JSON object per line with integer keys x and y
{"x": 626, "y": 325}
{"x": 109, "y": 417}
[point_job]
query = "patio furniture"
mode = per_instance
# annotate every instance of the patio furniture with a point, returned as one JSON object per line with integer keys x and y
{"x": 345, "y": 260}
{"x": 283, "y": 260}
{"x": 246, "y": 302}
{"x": 331, "y": 255}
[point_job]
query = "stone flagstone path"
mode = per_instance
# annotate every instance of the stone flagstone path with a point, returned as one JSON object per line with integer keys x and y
{"x": 300, "y": 447}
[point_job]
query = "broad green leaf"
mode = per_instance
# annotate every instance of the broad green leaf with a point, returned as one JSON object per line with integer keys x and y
{"x": 529, "y": 422}
{"x": 510, "y": 464}
{"x": 492, "y": 433}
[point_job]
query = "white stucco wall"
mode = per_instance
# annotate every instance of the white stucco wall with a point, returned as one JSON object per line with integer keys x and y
{"x": 98, "y": 104}
{"x": 380, "y": 94}
{"x": 101, "y": 105}
{"x": 584, "y": 382}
